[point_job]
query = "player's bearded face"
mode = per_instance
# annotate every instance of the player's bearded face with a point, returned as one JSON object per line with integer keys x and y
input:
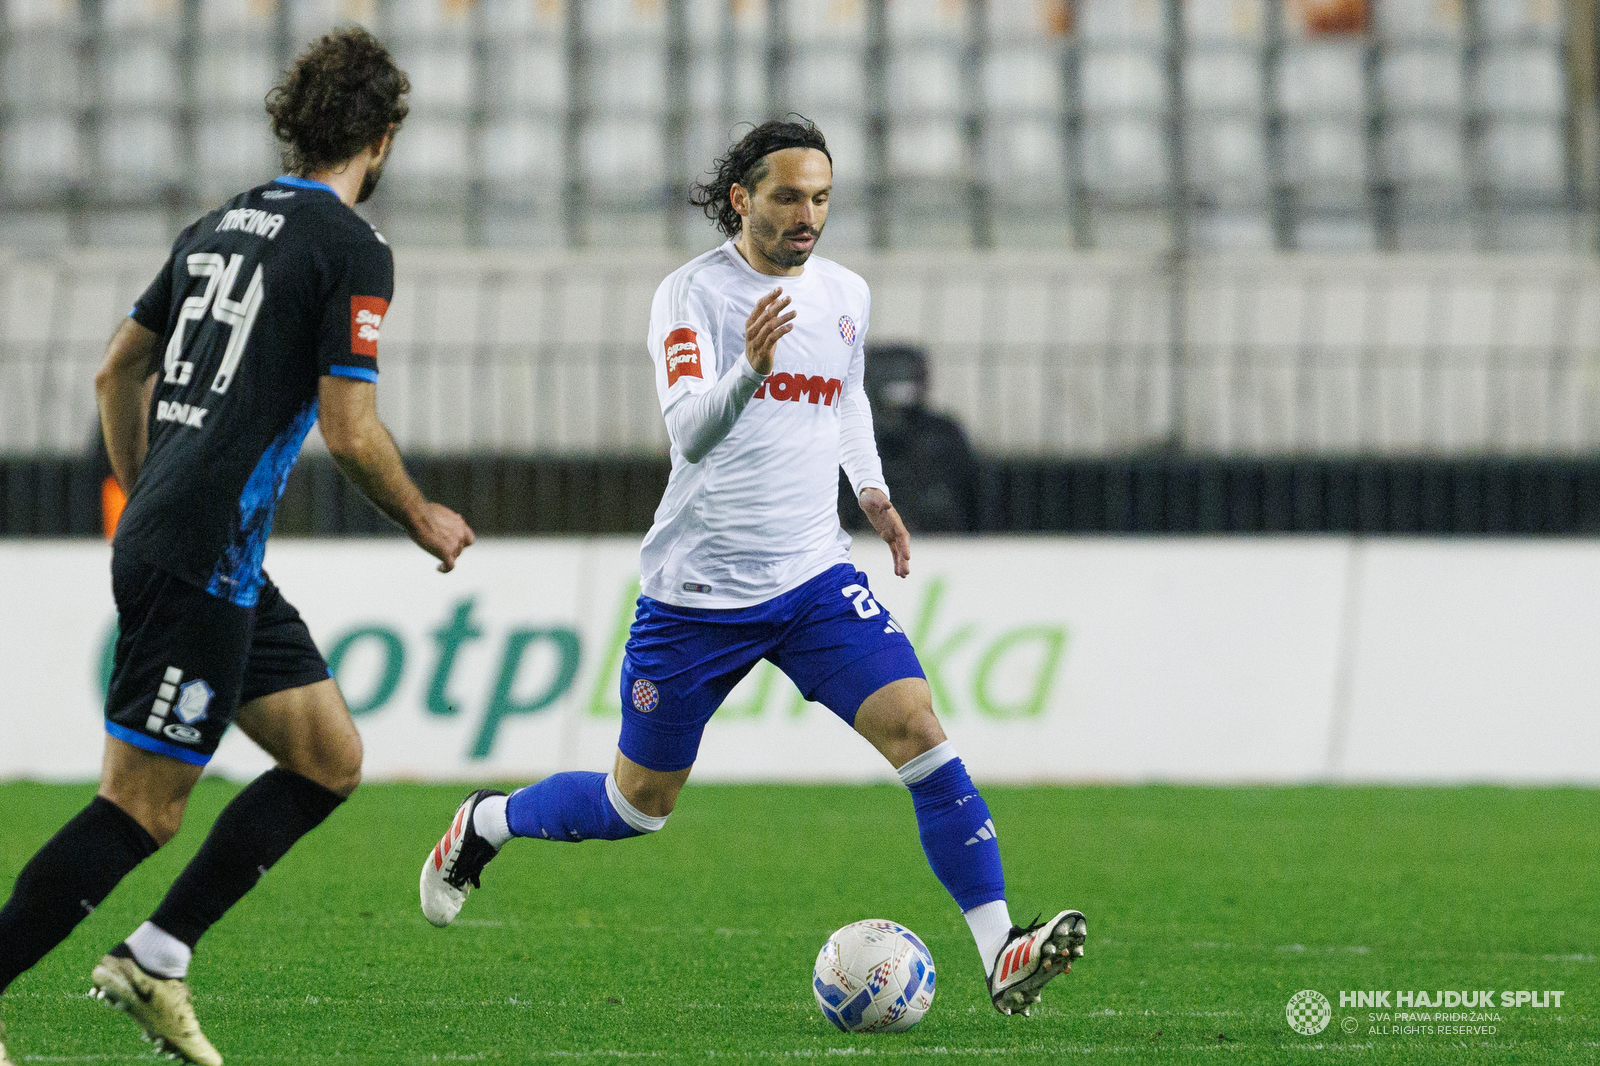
{"x": 786, "y": 246}
{"x": 789, "y": 206}
{"x": 369, "y": 182}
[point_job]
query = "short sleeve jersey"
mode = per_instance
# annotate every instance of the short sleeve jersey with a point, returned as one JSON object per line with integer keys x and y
{"x": 259, "y": 300}
{"x": 759, "y": 514}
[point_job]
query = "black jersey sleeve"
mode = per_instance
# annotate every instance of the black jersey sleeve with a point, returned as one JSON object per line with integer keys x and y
{"x": 362, "y": 285}
{"x": 153, "y": 309}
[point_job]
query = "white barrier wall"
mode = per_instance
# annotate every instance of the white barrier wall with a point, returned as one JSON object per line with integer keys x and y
{"x": 1052, "y": 659}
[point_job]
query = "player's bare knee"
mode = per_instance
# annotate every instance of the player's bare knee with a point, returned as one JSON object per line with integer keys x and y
{"x": 336, "y": 766}
{"x": 161, "y": 817}
{"x": 922, "y": 732}
{"x": 656, "y": 801}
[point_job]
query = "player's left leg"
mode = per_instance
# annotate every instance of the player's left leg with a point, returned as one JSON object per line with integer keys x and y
{"x": 961, "y": 843}
{"x": 846, "y": 652}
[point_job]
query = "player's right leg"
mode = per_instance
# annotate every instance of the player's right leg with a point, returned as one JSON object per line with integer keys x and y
{"x": 138, "y": 809}
{"x": 679, "y": 665}
{"x": 178, "y": 657}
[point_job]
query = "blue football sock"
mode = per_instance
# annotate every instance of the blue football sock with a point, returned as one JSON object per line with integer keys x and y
{"x": 580, "y": 805}
{"x": 957, "y": 833}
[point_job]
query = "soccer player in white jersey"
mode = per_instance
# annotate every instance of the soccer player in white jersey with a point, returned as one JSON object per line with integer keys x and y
{"x": 759, "y": 349}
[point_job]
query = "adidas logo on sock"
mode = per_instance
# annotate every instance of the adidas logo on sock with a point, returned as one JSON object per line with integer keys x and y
{"x": 985, "y": 832}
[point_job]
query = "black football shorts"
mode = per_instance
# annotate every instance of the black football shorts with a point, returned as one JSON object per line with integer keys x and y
{"x": 187, "y": 660}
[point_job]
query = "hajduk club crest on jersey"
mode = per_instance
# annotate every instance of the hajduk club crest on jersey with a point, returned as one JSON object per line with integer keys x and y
{"x": 847, "y": 329}
{"x": 645, "y": 696}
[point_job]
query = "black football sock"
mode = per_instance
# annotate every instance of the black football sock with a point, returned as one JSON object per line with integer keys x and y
{"x": 254, "y": 831}
{"x": 67, "y": 879}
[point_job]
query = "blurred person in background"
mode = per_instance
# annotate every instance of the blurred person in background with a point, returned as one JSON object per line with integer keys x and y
{"x": 927, "y": 459}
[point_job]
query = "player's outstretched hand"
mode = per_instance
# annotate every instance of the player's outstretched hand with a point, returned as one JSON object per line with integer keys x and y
{"x": 886, "y": 520}
{"x": 763, "y": 328}
{"x": 442, "y": 533}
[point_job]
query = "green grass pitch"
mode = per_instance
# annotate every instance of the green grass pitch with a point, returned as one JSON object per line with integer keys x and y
{"x": 1208, "y": 909}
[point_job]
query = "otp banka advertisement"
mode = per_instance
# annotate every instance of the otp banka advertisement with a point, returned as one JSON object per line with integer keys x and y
{"x": 1049, "y": 659}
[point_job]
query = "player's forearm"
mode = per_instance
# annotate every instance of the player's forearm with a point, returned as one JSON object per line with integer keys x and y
{"x": 369, "y": 458}
{"x": 122, "y": 390}
{"x": 122, "y": 421}
{"x": 700, "y": 422}
{"x": 858, "y": 450}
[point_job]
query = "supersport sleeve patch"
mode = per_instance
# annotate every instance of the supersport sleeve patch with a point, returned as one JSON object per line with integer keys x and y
{"x": 366, "y": 320}
{"x": 683, "y": 355}
{"x": 362, "y": 284}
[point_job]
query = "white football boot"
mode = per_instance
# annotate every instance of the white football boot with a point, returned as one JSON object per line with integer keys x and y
{"x": 4, "y": 1060}
{"x": 453, "y": 867}
{"x": 1032, "y": 957}
{"x": 160, "y": 1005}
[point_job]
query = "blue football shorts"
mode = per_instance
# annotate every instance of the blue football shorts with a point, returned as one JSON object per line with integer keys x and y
{"x": 836, "y": 643}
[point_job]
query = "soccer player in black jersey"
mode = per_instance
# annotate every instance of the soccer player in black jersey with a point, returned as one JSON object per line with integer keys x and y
{"x": 264, "y": 320}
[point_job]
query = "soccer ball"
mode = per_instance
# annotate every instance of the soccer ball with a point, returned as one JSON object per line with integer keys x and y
{"x": 874, "y": 977}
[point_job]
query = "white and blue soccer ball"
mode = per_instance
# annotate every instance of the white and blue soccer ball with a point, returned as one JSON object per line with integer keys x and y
{"x": 874, "y": 976}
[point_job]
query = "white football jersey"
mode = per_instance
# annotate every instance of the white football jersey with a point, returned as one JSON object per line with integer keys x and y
{"x": 757, "y": 514}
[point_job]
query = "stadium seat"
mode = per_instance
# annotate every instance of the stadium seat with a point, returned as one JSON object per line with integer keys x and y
{"x": 138, "y": 154}
{"x": 1223, "y": 80}
{"x": 924, "y": 80}
{"x": 1026, "y": 150}
{"x": 1321, "y": 77}
{"x": 40, "y": 69}
{"x": 1023, "y": 78}
{"x": 41, "y": 153}
{"x": 140, "y": 14}
{"x": 234, "y": 151}
{"x": 1417, "y": 20}
{"x": 433, "y": 151}
{"x": 1212, "y": 22}
{"x": 1227, "y": 159}
{"x": 234, "y": 75}
{"x": 526, "y": 72}
{"x": 1328, "y": 152}
{"x": 623, "y": 156}
{"x": 1528, "y": 19}
{"x": 1121, "y": 22}
{"x": 232, "y": 16}
{"x": 1425, "y": 151}
{"x": 1124, "y": 156}
{"x": 139, "y": 73}
{"x": 1123, "y": 80}
{"x": 927, "y": 148}
{"x": 1521, "y": 80}
{"x": 628, "y": 79}
{"x": 310, "y": 19}
{"x": 1525, "y": 157}
{"x": 518, "y": 150}
{"x": 1427, "y": 78}
{"x": 441, "y": 74}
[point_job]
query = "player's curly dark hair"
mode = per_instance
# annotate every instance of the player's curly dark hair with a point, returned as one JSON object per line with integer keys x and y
{"x": 745, "y": 164}
{"x": 342, "y": 94}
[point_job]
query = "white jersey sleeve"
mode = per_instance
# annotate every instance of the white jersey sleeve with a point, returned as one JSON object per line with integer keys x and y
{"x": 702, "y": 390}
{"x": 858, "y": 450}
